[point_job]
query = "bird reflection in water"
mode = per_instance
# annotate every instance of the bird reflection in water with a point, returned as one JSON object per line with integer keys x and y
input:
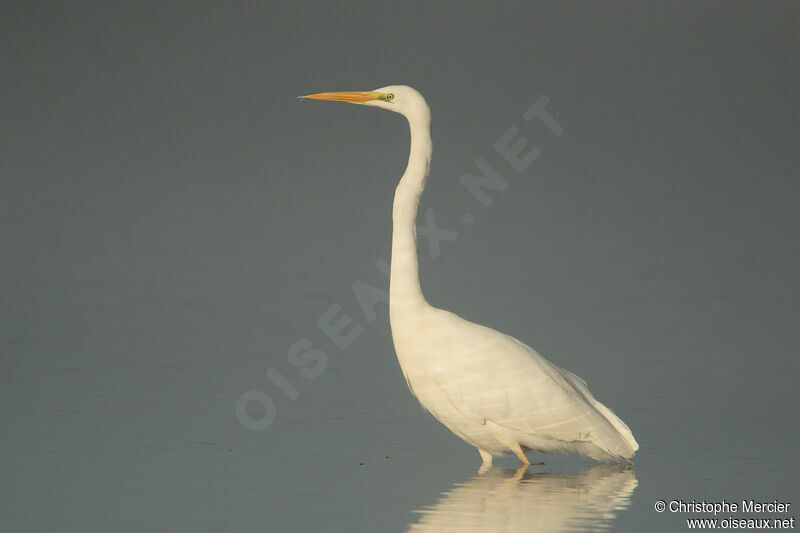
{"x": 508, "y": 501}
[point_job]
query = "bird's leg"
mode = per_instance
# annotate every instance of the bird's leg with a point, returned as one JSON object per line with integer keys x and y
{"x": 487, "y": 460}
{"x": 520, "y": 455}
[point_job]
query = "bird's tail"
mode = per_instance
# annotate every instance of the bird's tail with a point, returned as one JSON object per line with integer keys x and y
{"x": 624, "y": 445}
{"x": 620, "y": 426}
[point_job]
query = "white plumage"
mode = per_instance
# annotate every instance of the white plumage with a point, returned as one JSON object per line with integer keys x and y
{"x": 490, "y": 389}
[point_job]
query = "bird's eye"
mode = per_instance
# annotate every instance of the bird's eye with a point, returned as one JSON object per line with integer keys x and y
{"x": 389, "y": 97}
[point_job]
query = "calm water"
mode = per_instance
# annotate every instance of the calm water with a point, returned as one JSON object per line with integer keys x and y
{"x": 172, "y": 222}
{"x": 119, "y": 414}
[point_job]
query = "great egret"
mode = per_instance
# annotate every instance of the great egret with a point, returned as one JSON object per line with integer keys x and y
{"x": 490, "y": 389}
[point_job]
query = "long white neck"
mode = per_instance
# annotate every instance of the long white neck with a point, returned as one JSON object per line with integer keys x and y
{"x": 405, "y": 294}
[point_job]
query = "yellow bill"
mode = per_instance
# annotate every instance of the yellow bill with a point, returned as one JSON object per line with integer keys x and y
{"x": 354, "y": 97}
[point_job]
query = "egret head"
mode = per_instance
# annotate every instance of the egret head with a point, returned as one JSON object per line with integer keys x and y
{"x": 398, "y": 98}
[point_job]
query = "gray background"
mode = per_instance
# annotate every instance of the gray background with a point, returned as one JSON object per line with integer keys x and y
{"x": 172, "y": 220}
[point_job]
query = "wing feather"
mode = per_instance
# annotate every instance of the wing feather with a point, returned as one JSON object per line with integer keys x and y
{"x": 498, "y": 378}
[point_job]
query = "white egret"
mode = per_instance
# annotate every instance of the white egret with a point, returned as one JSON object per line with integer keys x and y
{"x": 490, "y": 389}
